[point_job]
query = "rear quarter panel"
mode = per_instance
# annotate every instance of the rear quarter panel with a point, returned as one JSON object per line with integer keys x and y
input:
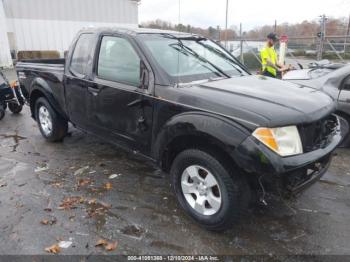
{"x": 46, "y": 78}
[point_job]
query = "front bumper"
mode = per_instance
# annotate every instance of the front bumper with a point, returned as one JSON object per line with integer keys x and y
{"x": 285, "y": 174}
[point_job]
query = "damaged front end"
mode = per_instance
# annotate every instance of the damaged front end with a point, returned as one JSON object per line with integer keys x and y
{"x": 287, "y": 176}
{"x": 291, "y": 183}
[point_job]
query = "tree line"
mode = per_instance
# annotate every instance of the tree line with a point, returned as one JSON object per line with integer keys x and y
{"x": 334, "y": 26}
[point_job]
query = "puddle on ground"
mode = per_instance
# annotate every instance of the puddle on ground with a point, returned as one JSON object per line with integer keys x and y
{"x": 16, "y": 139}
{"x": 133, "y": 231}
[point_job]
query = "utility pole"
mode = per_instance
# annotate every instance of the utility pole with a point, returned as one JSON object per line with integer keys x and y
{"x": 322, "y": 36}
{"x": 226, "y": 24}
{"x": 179, "y": 16}
{"x": 241, "y": 43}
{"x": 219, "y": 33}
{"x": 347, "y": 34}
{"x": 275, "y": 28}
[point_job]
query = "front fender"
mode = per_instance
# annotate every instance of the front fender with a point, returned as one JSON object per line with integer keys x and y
{"x": 226, "y": 132}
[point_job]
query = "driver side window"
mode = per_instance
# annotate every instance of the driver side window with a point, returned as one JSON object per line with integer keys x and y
{"x": 118, "y": 61}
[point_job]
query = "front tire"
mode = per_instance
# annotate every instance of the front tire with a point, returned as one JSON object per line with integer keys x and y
{"x": 52, "y": 126}
{"x": 210, "y": 191}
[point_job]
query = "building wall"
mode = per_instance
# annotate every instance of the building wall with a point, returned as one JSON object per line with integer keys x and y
{"x": 5, "y": 56}
{"x": 52, "y": 24}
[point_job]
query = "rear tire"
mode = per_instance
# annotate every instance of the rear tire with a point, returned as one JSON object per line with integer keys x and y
{"x": 210, "y": 192}
{"x": 52, "y": 126}
{"x": 15, "y": 108}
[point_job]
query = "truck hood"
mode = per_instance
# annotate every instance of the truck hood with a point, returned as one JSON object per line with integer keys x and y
{"x": 256, "y": 101}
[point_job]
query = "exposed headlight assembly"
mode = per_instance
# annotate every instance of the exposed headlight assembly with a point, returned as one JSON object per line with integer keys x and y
{"x": 285, "y": 141}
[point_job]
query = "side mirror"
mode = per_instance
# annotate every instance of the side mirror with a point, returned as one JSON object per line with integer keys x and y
{"x": 144, "y": 79}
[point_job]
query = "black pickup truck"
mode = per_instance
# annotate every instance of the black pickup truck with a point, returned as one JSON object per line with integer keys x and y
{"x": 188, "y": 104}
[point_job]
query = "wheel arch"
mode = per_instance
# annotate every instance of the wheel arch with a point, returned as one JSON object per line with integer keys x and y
{"x": 211, "y": 133}
{"x": 40, "y": 88}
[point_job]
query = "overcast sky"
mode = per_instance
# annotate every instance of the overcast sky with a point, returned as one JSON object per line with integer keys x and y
{"x": 251, "y": 13}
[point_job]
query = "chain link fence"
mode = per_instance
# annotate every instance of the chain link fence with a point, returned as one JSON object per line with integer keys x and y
{"x": 301, "y": 50}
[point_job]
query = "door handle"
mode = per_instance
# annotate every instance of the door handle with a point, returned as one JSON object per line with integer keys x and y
{"x": 94, "y": 90}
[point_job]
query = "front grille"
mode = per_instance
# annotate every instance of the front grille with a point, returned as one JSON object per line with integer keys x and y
{"x": 318, "y": 134}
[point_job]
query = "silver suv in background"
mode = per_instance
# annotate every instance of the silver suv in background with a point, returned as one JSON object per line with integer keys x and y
{"x": 333, "y": 79}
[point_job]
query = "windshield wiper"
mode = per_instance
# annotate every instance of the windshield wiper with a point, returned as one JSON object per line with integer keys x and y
{"x": 201, "y": 58}
{"x": 187, "y": 53}
{"x": 221, "y": 54}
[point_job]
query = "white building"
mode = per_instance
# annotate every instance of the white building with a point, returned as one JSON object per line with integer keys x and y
{"x": 30, "y": 25}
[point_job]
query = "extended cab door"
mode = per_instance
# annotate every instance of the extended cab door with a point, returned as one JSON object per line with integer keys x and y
{"x": 76, "y": 80}
{"x": 119, "y": 106}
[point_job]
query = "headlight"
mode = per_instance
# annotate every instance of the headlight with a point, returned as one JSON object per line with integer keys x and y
{"x": 283, "y": 140}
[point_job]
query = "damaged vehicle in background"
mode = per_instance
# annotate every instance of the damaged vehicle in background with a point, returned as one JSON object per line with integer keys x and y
{"x": 333, "y": 79}
{"x": 181, "y": 100}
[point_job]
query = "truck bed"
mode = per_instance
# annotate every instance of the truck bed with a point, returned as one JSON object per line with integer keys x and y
{"x": 42, "y": 64}
{"x": 48, "y": 71}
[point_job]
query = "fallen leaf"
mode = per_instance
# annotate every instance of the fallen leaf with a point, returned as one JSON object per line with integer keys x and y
{"x": 105, "y": 205}
{"x": 114, "y": 176}
{"x": 108, "y": 186}
{"x": 44, "y": 222}
{"x": 71, "y": 202}
{"x": 101, "y": 242}
{"x": 80, "y": 171}
{"x": 47, "y": 209}
{"x": 84, "y": 182}
{"x": 96, "y": 212}
{"x": 56, "y": 184}
{"x": 49, "y": 221}
{"x": 65, "y": 244}
{"x": 19, "y": 205}
{"x": 41, "y": 169}
{"x": 53, "y": 249}
{"x": 111, "y": 246}
{"x": 92, "y": 201}
{"x": 3, "y": 185}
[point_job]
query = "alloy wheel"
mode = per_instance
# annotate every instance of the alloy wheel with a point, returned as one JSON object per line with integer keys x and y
{"x": 201, "y": 190}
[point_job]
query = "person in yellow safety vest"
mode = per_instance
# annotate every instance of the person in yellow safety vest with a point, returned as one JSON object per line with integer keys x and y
{"x": 269, "y": 60}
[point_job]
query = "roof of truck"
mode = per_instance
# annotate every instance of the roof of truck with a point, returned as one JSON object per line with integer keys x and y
{"x": 134, "y": 31}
